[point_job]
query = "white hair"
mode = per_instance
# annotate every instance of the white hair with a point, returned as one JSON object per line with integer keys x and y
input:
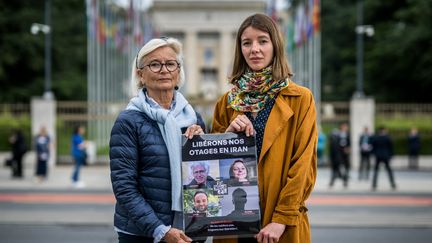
{"x": 199, "y": 163}
{"x": 149, "y": 47}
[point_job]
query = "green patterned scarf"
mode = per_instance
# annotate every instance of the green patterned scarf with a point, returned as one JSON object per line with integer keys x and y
{"x": 253, "y": 89}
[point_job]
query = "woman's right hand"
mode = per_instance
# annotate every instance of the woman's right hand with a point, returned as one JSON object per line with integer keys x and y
{"x": 241, "y": 124}
{"x": 176, "y": 236}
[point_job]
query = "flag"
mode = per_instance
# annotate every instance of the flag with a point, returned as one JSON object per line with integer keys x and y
{"x": 300, "y": 25}
{"x": 138, "y": 35}
{"x": 290, "y": 35}
{"x": 91, "y": 12}
{"x": 148, "y": 28}
{"x": 100, "y": 29}
{"x": 309, "y": 14}
{"x": 271, "y": 9}
{"x": 316, "y": 16}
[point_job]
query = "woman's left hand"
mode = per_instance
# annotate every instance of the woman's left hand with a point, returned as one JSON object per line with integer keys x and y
{"x": 270, "y": 233}
{"x": 193, "y": 130}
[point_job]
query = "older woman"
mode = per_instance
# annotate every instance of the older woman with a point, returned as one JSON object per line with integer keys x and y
{"x": 145, "y": 147}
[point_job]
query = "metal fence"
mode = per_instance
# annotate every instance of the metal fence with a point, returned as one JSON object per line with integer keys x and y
{"x": 386, "y": 110}
{"x": 99, "y": 118}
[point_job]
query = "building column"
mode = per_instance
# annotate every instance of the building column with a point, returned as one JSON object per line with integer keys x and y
{"x": 191, "y": 70}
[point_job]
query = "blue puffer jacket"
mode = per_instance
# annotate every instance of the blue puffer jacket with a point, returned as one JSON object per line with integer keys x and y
{"x": 140, "y": 174}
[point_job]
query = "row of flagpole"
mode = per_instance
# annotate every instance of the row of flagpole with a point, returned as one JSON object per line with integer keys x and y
{"x": 304, "y": 45}
{"x": 114, "y": 35}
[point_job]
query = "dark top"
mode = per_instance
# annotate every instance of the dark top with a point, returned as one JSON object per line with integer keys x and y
{"x": 382, "y": 147}
{"x": 413, "y": 144}
{"x": 42, "y": 147}
{"x": 259, "y": 123}
{"x": 19, "y": 147}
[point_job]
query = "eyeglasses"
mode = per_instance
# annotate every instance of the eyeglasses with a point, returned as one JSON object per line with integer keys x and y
{"x": 156, "y": 66}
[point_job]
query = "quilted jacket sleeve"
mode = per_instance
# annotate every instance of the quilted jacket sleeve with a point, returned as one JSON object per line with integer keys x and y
{"x": 124, "y": 176}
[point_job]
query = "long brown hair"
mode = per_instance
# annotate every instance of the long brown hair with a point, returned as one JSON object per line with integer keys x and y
{"x": 280, "y": 66}
{"x": 231, "y": 169}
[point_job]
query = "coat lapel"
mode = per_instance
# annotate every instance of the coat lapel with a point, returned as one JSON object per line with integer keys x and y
{"x": 278, "y": 118}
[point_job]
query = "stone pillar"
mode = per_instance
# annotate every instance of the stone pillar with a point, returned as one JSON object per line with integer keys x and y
{"x": 43, "y": 113}
{"x": 227, "y": 52}
{"x": 362, "y": 114}
{"x": 190, "y": 57}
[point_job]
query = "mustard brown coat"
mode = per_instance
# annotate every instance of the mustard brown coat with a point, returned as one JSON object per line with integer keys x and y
{"x": 287, "y": 165}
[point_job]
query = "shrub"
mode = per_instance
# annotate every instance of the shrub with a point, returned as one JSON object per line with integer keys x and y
{"x": 8, "y": 123}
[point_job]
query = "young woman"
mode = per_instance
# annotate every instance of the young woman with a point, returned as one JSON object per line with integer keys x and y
{"x": 265, "y": 102}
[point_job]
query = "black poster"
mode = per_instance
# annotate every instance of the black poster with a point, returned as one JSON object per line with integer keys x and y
{"x": 220, "y": 192}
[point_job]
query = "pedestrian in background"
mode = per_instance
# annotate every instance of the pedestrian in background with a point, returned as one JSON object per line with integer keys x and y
{"x": 19, "y": 148}
{"x": 365, "y": 152}
{"x": 43, "y": 146}
{"x": 265, "y": 101}
{"x": 145, "y": 147}
{"x": 335, "y": 158}
{"x": 382, "y": 148}
{"x": 413, "y": 149}
{"x": 321, "y": 145}
{"x": 345, "y": 151}
{"x": 79, "y": 155}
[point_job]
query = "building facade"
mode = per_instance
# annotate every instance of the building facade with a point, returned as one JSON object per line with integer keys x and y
{"x": 207, "y": 29}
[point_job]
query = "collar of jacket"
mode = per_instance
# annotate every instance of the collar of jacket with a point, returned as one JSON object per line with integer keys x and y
{"x": 278, "y": 117}
{"x": 291, "y": 90}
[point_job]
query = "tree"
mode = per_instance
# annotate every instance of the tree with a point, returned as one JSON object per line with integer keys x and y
{"x": 338, "y": 49}
{"x": 397, "y": 58}
{"x": 400, "y": 54}
{"x": 22, "y": 59}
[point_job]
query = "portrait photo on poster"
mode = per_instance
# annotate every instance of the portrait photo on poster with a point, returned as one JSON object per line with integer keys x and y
{"x": 238, "y": 171}
{"x": 240, "y": 201}
{"x": 200, "y": 174}
{"x": 220, "y": 192}
{"x": 201, "y": 201}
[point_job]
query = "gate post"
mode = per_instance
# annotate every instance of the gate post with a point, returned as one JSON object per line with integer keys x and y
{"x": 362, "y": 114}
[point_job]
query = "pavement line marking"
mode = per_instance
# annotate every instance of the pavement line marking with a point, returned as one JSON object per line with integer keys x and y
{"x": 370, "y": 200}
{"x": 57, "y": 198}
{"x": 313, "y": 200}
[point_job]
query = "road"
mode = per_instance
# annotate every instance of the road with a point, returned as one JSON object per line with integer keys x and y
{"x": 73, "y": 216}
{"x": 31, "y": 233}
{"x": 54, "y": 212}
{"x": 370, "y": 235}
{"x": 105, "y": 234}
